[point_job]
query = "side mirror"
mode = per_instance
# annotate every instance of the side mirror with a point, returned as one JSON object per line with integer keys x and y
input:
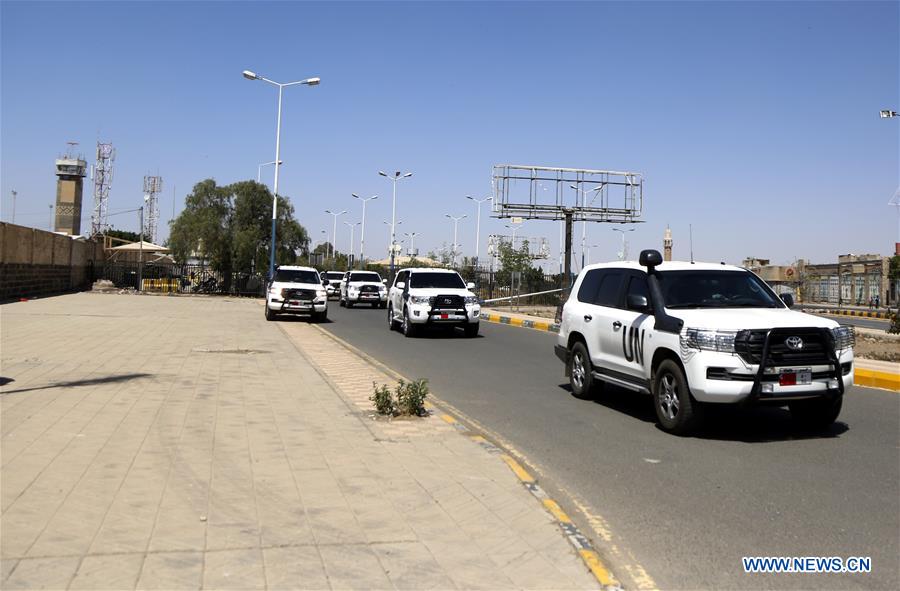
{"x": 325, "y": 282}
{"x": 638, "y": 302}
{"x": 401, "y": 285}
{"x": 470, "y": 285}
{"x": 384, "y": 281}
{"x": 788, "y": 300}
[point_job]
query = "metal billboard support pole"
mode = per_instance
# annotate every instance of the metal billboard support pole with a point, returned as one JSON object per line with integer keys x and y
{"x": 568, "y": 263}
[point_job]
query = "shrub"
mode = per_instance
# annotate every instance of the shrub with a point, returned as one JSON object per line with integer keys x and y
{"x": 408, "y": 398}
{"x": 894, "y": 327}
{"x": 384, "y": 400}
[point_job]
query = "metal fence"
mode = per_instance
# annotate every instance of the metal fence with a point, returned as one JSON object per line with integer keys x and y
{"x": 169, "y": 278}
{"x": 516, "y": 290}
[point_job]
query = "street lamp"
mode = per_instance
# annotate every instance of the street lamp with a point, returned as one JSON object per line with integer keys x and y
{"x": 887, "y": 113}
{"x": 397, "y": 176}
{"x": 478, "y": 203}
{"x": 362, "y": 234}
{"x": 595, "y": 190}
{"x": 14, "y": 193}
{"x": 308, "y": 82}
{"x": 624, "y": 252}
{"x": 387, "y": 223}
{"x": 352, "y": 228}
{"x": 259, "y": 168}
{"x": 589, "y": 252}
{"x": 334, "y": 228}
{"x": 455, "y": 226}
{"x": 514, "y": 229}
{"x": 412, "y": 241}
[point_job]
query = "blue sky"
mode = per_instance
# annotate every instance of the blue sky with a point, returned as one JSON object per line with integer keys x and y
{"x": 755, "y": 122}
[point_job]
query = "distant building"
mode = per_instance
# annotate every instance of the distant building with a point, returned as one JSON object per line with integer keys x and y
{"x": 70, "y": 173}
{"x": 667, "y": 245}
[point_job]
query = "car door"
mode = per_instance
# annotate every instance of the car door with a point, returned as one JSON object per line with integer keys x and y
{"x": 607, "y": 319}
{"x": 345, "y": 284}
{"x": 578, "y": 313}
{"x": 629, "y": 338}
{"x": 396, "y": 295}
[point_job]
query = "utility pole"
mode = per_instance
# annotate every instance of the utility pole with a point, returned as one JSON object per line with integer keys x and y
{"x": 14, "y": 207}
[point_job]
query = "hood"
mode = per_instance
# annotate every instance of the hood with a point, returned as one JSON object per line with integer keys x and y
{"x": 747, "y": 318}
{"x": 292, "y": 285}
{"x": 361, "y": 283}
{"x": 435, "y": 291}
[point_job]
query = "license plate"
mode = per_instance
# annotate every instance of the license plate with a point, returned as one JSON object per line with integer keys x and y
{"x": 445, "y": 316}
{"x": 794, "y": 377}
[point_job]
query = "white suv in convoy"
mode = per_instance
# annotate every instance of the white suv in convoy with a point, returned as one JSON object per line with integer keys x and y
{"x": 333, "y": 287}
{"x": 296, "y": 290}
{"x": 363, "y": 287}
{"x": 690, "y": 334}
{"x": 432, "y": 297}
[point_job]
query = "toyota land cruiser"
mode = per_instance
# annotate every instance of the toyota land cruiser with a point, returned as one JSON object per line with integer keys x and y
{"x": 432, "y": 297}
{"x": 363, "y": 287}
{"x": 296, "y": 290}
{"x": 693, "y": 333}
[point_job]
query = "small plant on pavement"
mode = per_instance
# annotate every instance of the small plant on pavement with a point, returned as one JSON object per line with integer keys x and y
{"x": 408, "y": 398}
{"x": 411, "y": 397}
{"x": 894, "y": 326}
{"x": 384, "y": 400}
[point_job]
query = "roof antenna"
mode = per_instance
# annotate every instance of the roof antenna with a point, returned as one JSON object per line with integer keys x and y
{"x": 691, "y": 234}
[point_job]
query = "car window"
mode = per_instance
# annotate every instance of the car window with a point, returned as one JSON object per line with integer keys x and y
{"x": 296, "y": 276}
{"x": 437, "y": 280}
{"x": 588, "y": 290}
{"x": 637, "y": 285}
{"x": 401, "y": 276}
{"x": 332, "y": 276}
{"x": 608, "y": 292}
{"x": 371, "y": 277}
{"x": 716, "y": 289}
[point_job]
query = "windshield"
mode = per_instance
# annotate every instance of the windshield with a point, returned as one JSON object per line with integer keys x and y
{"x": 715, "y": 289}
{"x": 295, "y": 276}
{"x": 370, "y": 277}
{"x": 437, "y": 280}
{"x": 333, "y": 276}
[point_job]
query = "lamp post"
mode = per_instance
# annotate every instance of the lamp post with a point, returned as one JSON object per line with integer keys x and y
{"x": 308, "y": 82}
{"x": 334, "y": 228}
{"x": 455, "y": 227}
{"x": 349, "y": 256}
{"x": 259, "y": 169}
{"x": 412, "y": 243}
{"x": 362, "y": 233}
{"x": 14, "y": 193}
{"x": 514, "y": 228}
{"x": 889, "y": 114}
{"x": 387, "y": 223}
{"x": 478, "y": 203}
{"x": 595, "y": 190}
{"x": 624, "y": 252}
{"x": 397, "y": 176}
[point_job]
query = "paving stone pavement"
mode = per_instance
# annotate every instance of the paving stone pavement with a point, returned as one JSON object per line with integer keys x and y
{"x": 183, "y": 442}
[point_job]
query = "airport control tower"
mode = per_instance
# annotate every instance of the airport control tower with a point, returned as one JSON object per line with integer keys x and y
{"x": 70, "y": 171}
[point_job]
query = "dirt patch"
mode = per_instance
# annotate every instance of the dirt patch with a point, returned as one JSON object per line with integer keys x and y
{"x": 875, "y": 344}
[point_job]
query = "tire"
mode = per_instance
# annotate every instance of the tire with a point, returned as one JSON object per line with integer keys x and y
{"x": 408, "y": 328}
{"x": 816, "y": 414}
{"x": 392, "y": 324}
{"x": 341, "y": 302}
{"x": 676, "y": 410}
{"x": 580, "y": 378}
{"x": 270, "y": 315}
{"x": 348, "y": 304}
{"x": 471, "y": 330}
{"x": 382, "y": 305}
{"x": 320, "y": 316}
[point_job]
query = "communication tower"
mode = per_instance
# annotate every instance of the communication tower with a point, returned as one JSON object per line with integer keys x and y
{"x": 152, "y": 189}
{"x": 70, "y": 173}
{"x": 102, "y": 177}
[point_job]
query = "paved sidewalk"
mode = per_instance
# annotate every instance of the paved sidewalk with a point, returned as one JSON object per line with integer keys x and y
{"x": 163, "y": 442}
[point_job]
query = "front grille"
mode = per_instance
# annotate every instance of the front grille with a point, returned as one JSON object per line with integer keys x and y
{"x": 368, "y": 288}
{"x": 817, "y": 349}
{"x": 448, "y": 302}
{"x": 298, "y": 294}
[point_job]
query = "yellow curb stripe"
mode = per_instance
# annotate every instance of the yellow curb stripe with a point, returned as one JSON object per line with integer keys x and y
{"x": 515, "y": 322}
{"x": 876, "y": 379}
{"x": 593, "y": 561}
{"x": 517, "y": 469}
{"x": 556, "y": 511}
{"x": 478, "y": 439}
{"x": 448, "y": 419}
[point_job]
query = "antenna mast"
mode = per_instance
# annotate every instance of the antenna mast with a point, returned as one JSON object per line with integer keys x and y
{"x": 103, "y": 175}
{"x": 152, "y": 189}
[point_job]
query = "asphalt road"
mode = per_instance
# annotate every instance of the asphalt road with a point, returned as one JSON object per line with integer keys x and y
{"x": 857, "y": 321}
{"x": 684, "y": 509}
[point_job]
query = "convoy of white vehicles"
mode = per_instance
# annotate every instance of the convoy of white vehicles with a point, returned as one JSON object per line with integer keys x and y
{"x": 687, "y": 334}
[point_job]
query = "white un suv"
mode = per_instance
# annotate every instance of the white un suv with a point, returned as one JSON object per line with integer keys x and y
{"x": 296, "y": 290}
{"x": 432, "y": 297}
{"x": 363, "y": 287}
{"x": 690, "y": 334}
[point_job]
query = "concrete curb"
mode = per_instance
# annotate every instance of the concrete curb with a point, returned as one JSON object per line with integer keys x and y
{"x": 576, "y": 539}
{"x": 524, "y": 323}
{"x": 857, "y": 313}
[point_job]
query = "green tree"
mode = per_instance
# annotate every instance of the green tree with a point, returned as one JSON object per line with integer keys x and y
{"x": 512, "y": 260}
{"x": 122, "y": 234}
{"x": 230, "y": 227}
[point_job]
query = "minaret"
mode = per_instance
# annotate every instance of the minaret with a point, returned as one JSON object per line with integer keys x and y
{"x": 667, "y": 245}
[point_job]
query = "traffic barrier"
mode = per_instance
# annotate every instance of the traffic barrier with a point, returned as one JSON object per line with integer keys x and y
{"x": 160, "y": 285}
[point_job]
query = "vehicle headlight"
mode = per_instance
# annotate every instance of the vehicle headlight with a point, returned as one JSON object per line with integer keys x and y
{"x": 844, "y": 337}
{"x": 320, "y": 293}
{"x": 419, "y": 299}
{"x": 471, "y": 300}
{"x": 354, "y": 289}
{"x": 701, "y": 339}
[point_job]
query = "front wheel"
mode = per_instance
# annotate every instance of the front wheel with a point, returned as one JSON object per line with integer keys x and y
{"x": 270, "y": 315}
{"x": 320, "y": 316}
{"x": 676, "y": 409}
{"x": 816, "y": 414}
{"x": 471, "y": 330}
{"x": 408, "y": 328}
{"x": 580, "y": 378}
{"x": 392, "y": 324}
